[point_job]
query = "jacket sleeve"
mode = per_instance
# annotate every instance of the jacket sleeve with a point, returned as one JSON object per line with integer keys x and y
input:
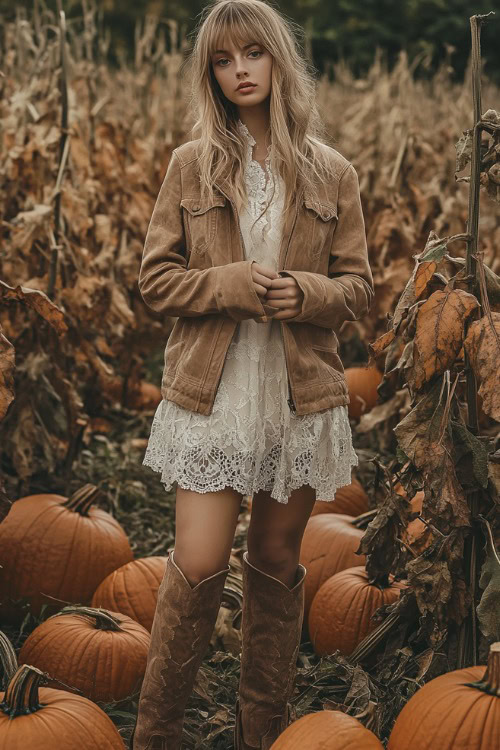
{"x": 165, "y": 283}
{"x": 347, "y": 292}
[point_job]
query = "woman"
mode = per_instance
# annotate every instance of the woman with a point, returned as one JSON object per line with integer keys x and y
{"x": 257, "y": 244}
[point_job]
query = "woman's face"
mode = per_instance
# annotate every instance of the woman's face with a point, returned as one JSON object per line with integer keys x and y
{"x": 234, "y": 64}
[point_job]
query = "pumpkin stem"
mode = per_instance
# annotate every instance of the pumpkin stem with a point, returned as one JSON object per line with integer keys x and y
{"x": 490, "y": 683}
{"x": 103, "y": 618}
{"x": 21, "y": 696}
{"x": 8, "y": 658}
{"x": 82, "y": 500}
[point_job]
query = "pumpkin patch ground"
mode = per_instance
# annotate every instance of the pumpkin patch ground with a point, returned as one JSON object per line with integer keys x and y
{"x": 401, "y": 629}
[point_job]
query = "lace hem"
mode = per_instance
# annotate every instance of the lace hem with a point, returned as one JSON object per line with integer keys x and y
{"x": 216, "y": 462}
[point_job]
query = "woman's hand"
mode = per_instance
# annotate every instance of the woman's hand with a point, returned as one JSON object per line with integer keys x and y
{"x": 281, "y": 292}
{"x": 262, "y": 277}
{"x": 285, "y": 294}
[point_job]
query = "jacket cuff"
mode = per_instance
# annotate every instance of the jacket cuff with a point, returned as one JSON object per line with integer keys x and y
{"x": 235, "y": 292}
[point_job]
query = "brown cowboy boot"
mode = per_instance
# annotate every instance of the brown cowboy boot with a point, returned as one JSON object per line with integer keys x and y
{"x": 182, "y": 628}
{"x": 270, "y": 630}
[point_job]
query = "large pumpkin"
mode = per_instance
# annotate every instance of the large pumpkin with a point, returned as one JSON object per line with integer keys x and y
{"x": 99, "y": 653}
{"x": 133, "y": 589}
{"x": 52, "y": 547}
{"x": 459, "y": 709}
{"x": 362, "y": 384}
{"x": 351, "y": 499}
{"x": 327, "y": 730}
{"x": 341, "y": 611}
{"x": 46, "y": 719}
{"x": 329, "y": 544}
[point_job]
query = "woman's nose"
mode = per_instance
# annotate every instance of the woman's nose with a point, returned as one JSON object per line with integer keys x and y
{"x": 240, "y": 68}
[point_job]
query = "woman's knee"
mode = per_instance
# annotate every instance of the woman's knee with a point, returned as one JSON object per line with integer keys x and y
{"x": 274, "y": 553}
{"x": 198, "y": 568}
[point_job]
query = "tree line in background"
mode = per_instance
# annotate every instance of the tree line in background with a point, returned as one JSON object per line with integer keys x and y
{"x": 431, "y": 31}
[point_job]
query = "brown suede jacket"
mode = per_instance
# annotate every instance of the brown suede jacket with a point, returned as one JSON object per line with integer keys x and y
{"x": 193, "y": 268}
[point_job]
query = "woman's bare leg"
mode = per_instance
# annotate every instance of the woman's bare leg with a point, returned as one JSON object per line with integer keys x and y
{"x": 205, "y": 524}
{"x": 276, "y": 530}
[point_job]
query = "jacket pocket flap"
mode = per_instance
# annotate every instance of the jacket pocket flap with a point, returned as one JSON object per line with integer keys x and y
{"x": 196, "y": 206}
{"x": 324, "y": 211}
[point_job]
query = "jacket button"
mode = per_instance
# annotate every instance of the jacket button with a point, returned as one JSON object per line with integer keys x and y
{"x": 326, "y": 215}
{"x": 196, "y": 208}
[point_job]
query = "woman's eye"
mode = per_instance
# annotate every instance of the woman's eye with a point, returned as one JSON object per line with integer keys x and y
{"x": 224, "y": 59}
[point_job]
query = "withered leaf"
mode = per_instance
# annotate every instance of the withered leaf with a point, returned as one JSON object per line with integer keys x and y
{"x": 437, "y": 579}
{"x": 482, "y": 345}
{"x": 463, "y": 149}
{"x": 488, "y": 609}
{"x": 382, "y": 342}
{"x": 444, "y": 499}
{"x": 464, "y": 437}
{"x": 421, "y": 427}
{"x": 379, "y": 541}
{"x": 382, "y": 412}
{"x": 439, "y": 334}
{"x": 7, "y": 368}
{"x": 434, "y": 247}
{"x": 39, "y": 301}
{"x": 430, "y": 579}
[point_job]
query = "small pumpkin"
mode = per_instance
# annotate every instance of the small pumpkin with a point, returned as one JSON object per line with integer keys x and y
{"x": 327, "y": 730}
{"x": 457, "y": 709}
{"x": 362, "y": 383}
{"x": 102, "y": 654}
{"x": 351, "y": 499}
{"x": 341, "y": 611}
{"x": 53, "y": 547}
{"x": 133, "y": 589}
{"x": 134, "y": 394}
{"x": 44, "y": 718}
{"x": 329, "y": 545}
{"x": 147, "y": 396}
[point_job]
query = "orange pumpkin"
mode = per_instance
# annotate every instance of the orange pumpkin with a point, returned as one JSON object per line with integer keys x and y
{"x": 362, "y": 383}
{"x": 102, "y": 654}
{"x": 351, "y": 499}
{"x": 329, "y": 544}
{"x": 135, "y": 394}
{"x": 148, "y": 396}
{"x": 327, "y": 730}
{"x": 341, "y": 611}
{"x": 459, "y": 709}
{"x": 43, "y": 718}
{"x": 53, "y": 546}
{"x": 133, "y": 589}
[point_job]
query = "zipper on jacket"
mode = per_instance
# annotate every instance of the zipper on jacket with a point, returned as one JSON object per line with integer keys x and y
{"x": 290, "y": 400}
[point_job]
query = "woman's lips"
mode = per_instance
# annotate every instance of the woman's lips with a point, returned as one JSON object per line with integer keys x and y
{"x": 245, "y": 89}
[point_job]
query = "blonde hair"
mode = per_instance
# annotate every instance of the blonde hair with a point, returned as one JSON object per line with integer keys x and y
{"x": 297, "y": 134}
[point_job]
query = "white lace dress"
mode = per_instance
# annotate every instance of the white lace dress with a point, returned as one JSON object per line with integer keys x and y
{"x": 252, "y": 440}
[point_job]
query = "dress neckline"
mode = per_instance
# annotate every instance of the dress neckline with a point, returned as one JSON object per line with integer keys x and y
{"x": 251, "y": 142}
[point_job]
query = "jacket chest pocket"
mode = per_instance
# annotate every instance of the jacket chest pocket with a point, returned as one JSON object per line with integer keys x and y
{"x": 321, "y": 221}
{"x": 200, "y": 221}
